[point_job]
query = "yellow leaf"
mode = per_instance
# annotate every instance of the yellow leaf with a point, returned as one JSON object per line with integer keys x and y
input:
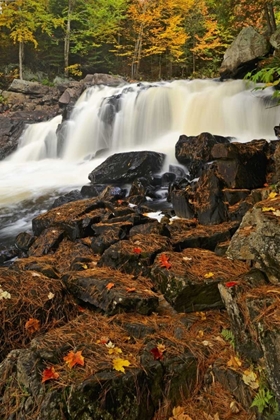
{"x": 276, "y": 213}
{"x": 118, "y": 364}
{"x": 273, "y": 194}
{"x": 115, "y": 350}
{"x": 208, "y": 275}
{"x": 268, "y": 209}
{"x": 85, "y": 267}
{"x": 250, "y": 378}
{"x": 234, "y": 362}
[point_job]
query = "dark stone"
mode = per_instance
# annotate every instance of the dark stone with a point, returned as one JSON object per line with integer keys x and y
{"x": 24, "y": 240}
{"x": 195, "y": 151}
{"x": 122, "y": 255}
{"x": 122, "y": 168}
{"x": 74, "y": 195}
{"x": 233, "y": 196}
{"x": 209, "y": 199}
{"x": 91, "y": 190}
{"x": 181, "y": 203}
{"x": 10, "y": 132}
{"x": 107, "y": 234}
{"x": 90, "y": 288}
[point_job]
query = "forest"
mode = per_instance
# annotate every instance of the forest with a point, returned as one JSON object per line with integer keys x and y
{"x": 139, "y": 39}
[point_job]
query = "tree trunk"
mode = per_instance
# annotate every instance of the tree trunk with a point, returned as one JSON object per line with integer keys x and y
{"x": 270, "y": 18}
{"x": 138, "y": 48}
{"x": 67, "y": 39}
{"x": 20, "y": 59}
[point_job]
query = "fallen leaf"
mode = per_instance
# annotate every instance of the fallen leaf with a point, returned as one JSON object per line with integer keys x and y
{"x": 164, "y": 261}
{"x": 200, "y": 334}
{"x": 276, "y": 213}
{"x": 110, "y": 345}
{"x": 119, "y": 364}
{"x": 207, "y": 343}
{"x": 273, "y": 194}
{"x": 158, "y": 351}
{"x": 264, "y": 209}
{"x": 178, "y": 413}
{"x": 201, "y": 315}
{"x": 103, "y": 340}
{"x": 85, "y": 267}
{"x": 4, "y": 294}
{"x": 130, "y": 289}
{"x": 234, "y": 362}
{"x": 49, "y": 373}
{"x": 110, "y": 286}
{"x": 50, "y": 295}
{"x": 234, "y": 407}
{"x": 32, "y": 325}
{"x": 115, "y": 350}
{"x": 73, "y": 359}
{"x": 137, "y": 250}
{"x": 250, "y": 378}
{"x": 230, "y": 284}
{"x": 208, "y": 275}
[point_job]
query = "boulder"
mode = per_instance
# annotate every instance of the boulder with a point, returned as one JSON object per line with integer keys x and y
{"x": 31, "y": 88}
{"x": 103, "y": 79}
{"x": 258, "y": 238}
{"x": 189, "y": 280}
{"x": 195, "y": 151}
{"x": 122, "y": 168}
{"x": 243, "y": 53}
{"x": 10, "y": 132}
{"x": 112, "y": 292}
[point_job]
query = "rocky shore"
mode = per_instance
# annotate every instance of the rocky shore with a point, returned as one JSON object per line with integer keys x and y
{"x": 110, "y": 310}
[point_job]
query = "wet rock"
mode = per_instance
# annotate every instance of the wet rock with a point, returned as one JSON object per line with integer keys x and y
{"x": 122, "y": 168}
{"x": 242, "y": 165}
{"x": 74, "y": 195}
{"x": 195, "y": 151}
{"x": 112, "y": 292}
{"x": 91, "y": 190}
{"x": 46, "y": 243}
{"x": 189, "y": 280}
{"x": 190, "y": 234}
{"x": 29, "y": 294}
{"x": 24, "y": 240}
{"x": 106, "y": 234}
{"x": 136, "y": 255}
{"x": 257, "y": 239}
{"x": 10, "y": 132}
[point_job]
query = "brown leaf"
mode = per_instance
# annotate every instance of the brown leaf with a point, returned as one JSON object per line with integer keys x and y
{"x": 32, "y": 325}
{"x": 110, "y": 286}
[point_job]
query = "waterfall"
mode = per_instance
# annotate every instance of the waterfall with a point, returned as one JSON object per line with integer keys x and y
{"x": 144, "y": 116}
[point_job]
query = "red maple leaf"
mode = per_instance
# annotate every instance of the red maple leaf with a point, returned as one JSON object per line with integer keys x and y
{"x": 231, "y": 284}
{"x": 137, "y": 250}
{"x": 164, "y": 261}
{"x": 158, "y": 355}
{"x": 49, "y": 373}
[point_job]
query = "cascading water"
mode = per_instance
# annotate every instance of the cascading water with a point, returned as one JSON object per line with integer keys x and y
{"x": 146, "y": 116}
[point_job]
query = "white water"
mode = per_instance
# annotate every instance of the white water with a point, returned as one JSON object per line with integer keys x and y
{"x": 149, "y": 116}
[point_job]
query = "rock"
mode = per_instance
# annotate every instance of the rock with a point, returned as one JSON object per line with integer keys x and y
{"x": 103, "y": 79}
{"x": 257, "y": 239}
{"x": 189, "y": 234}
{"x": 38, "y": 297}
{"x": 242, "y": 54}
{"x": 106, "y": 234}
{"x": 241, "y": 165}
{"x": 46, "y": 243}
{"x": 136, "y": 255}
{"x": 31, "y": 88}
{"x": 189, "y": 280}
{"x": 74, "y": 195}
{"x": 10, "y": 132}
{"x": 122, "y": 168}
{"x": 195, "y": 151}
{"x": 112, "y": 292}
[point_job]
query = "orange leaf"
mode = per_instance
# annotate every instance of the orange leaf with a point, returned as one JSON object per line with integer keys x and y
{"x": 137, "y": 250}
{"x": 130, "y": 289}
{"x": 73, "y": 359}
{"x": 32, "y": 325}
{"x": 49, "y": 373}
{"x": 110, "y": 286}
{"x": 164, "y": 261}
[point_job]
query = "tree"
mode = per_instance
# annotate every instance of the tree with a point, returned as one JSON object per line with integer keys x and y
{"x": 23, "y": 18}
{"x": 156, "y": 29}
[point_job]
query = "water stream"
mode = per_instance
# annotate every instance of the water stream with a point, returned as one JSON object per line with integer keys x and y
{"x": 146, "y": 116}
